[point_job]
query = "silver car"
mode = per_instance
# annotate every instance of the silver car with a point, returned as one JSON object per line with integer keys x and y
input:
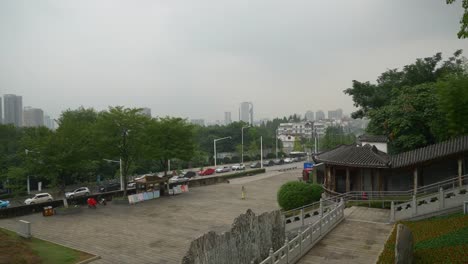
{"x": 39, "y": 198}
{"x": 82, "y": 191}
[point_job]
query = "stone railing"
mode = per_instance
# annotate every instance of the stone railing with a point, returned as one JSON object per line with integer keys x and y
{"x": 444, "y": 199}
{"x": 298, "y": 218}
{"x": 306, "y": 237}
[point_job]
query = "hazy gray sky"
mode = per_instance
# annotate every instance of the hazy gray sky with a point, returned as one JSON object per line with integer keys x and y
{"x": 198, "y": 59}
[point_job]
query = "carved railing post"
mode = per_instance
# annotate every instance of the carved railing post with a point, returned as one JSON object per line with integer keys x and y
{"x": 272, "y": 259}
{"x": 302, "y": 217}
{"x": 441, "y": 199}
{"x": 414, "y": 206}
{"x": 286, "y": 243}
{"x": 392, "y": 212}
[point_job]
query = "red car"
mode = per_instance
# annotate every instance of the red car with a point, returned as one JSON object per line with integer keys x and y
{"x": 205, "y": 172}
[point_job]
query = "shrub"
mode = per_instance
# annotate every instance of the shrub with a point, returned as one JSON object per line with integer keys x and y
{"x": 295, "y": 194}
{"x": 235, "y": 159}
{"x": 226, "y": 160}
{"x": 271, "y": 156}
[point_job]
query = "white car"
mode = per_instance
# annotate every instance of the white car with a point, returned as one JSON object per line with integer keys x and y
{"x": 177, "y": 179}
{"x": 82, "y": 191}
{"x": 238, "y": 167}
{"x": 39, "y": 198}
{"x": 223, "y": 169}
{"x": 288, "y": 160}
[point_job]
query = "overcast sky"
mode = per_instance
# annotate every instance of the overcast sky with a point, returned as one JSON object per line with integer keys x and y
{"x": 198, "y": 59}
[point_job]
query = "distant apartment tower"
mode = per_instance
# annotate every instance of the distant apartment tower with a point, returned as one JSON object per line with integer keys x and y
{"x": 335, "y": 114}
{"x": 146, "y": 111}
{"x": 319, "y": 115}
{"x": 33, "y": 117}
{"x": 227, "y": 118}
{"x": 309, "y": 116}
{"x": 246, "y": 113}
{"x": 200, "y": 122}
{"x": 13, "y": 106}
{"x": 49, "y": 122}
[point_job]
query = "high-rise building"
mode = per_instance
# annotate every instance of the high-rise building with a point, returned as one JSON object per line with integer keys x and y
{"x": 13, "y": 106}
{"x": 319, "y": 115}
{"x": 246, "y": 113}
{"x": 227, "y": 118}
{"x": 146, "y": 111}
{"x": 335, "y": 114}
{"x": 33, "y": 117}
{"x": 309, "y": 116}
{"x": 49, "y": 122}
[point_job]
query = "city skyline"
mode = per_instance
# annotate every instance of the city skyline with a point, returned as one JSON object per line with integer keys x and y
{"x": 194, "y": 61}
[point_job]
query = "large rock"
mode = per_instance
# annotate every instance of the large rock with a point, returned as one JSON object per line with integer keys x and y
{"x": 403, "y": 245}
{"x": 250, "y": 238}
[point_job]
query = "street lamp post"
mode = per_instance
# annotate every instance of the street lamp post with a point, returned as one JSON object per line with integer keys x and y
{"x": 121, "y": 175}
{"x": 242, "y": 136}
{"x": 214, "y": 141}
{"x": 276, "y": 143}
{"x": 261, "y": 152}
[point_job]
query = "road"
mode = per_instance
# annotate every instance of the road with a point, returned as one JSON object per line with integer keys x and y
{"x": 18, "y": 201}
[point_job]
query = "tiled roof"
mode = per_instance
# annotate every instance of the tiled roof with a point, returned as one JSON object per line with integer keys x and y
{"x": 373, "y": 138}
{"x": 432, "y": 152}
{"x": 355, "y": 156}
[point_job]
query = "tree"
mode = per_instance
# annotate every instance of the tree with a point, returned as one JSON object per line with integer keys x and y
{"x": 409, "y": 112}
{"x": 335, "y": 136}
{"x": 120, "y": 134}
{"x": 297, "y": 145}
{"x": 453, "y": 102}
{"x": 463, "y": 33}
{"x": 170, "y": 138}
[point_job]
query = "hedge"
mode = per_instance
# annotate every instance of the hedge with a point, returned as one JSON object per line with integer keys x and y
{"x": 295, "y": 194}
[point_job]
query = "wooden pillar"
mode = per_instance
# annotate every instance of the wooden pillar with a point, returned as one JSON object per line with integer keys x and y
{"x": 460, "y": 171}
{"x": 329, "y": 183}
{"x": 361, "y": 177}
{"x": 379, "y": 180}
{"x": 415, "y": 180}
{"x": 348, "y": 184}
{"x": 334, "y": 179}
{"x": 372, "y": 180}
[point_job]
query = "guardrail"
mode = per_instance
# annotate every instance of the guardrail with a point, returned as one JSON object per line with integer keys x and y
{"x": 442, "y": 200}
{"x": 293, "y": 250}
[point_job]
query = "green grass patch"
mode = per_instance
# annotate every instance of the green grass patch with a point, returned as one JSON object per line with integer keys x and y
{"x": 442, "y": 239}
{"x": 15, "y": 249}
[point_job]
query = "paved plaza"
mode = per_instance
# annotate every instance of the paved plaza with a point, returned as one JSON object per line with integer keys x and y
{"x": 160, "y": 230}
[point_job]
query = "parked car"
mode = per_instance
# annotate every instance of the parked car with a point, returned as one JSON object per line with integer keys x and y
{"x": 131, "y": 185}
{"x": 255, "y": 165}
{"x": 205, "y": 172}
{"x": 223, "y": 169}
{"x": 190, "y": 174}
{"x": 236, "y": 167}
{"x": 288, "y": 160}
{"x": 178, "y": 179}
{"x": 268, "y": 163}
{"x": 82, "y": 191}
{"x": 112, "y": 186}
{"x": 4, "y": 204}
{"x": 39, "y": 198}
{"x": 278, "y": 161}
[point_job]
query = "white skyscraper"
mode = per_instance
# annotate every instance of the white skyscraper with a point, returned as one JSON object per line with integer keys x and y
{"x": 13, "y": 106}
{"x": 246, "y": 112}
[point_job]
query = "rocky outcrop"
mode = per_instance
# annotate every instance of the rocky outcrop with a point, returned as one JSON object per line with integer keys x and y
{"x": 249, "y": 239}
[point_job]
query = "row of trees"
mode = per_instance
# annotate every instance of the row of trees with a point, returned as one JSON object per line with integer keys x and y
{"x": 78, "y": 149}
{"x": 423, "y": 103}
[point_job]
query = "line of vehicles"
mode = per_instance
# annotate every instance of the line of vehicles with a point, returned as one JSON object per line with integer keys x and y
{"x": 178, "y": 179}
